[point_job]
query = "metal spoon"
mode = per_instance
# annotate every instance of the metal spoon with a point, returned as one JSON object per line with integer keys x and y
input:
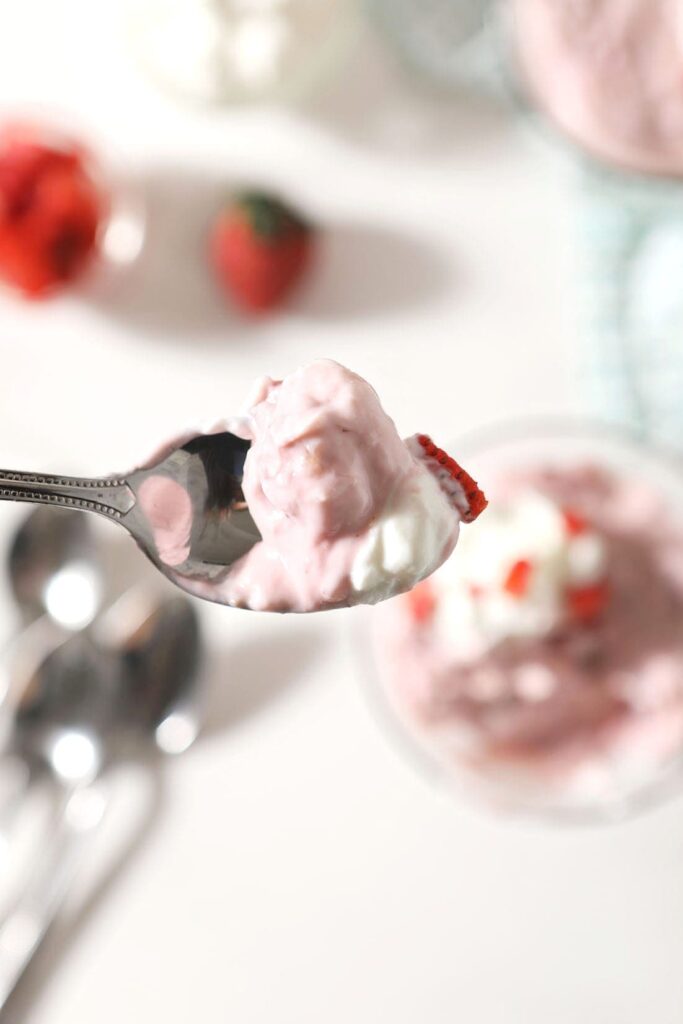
{"x": 207, "y": 510}
{"x": 55, "y": 568}
{"x": 76, "y": 711}
{"x": 58, "y": 570}
{"x": 56, "y": 573}
{"x": 59, "y": 566}
{"x": 159, "y": 648}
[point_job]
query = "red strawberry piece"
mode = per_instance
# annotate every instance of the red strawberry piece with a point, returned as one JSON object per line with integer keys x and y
{"x": 464, "y": 492}
{"x": 21, "y": 167}
{"x": 586, "y": 604}
{"x": 422, "y": 602}
{"x": 518, "y": 578}
{"x": 68, "y": 221}
{"x": 50, "y": 211}
{"x": 260, "y": 249}
{"x": 574, "y": 522}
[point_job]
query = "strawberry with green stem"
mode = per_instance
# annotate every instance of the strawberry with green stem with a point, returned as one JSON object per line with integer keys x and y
{"x": 260, "y": 249}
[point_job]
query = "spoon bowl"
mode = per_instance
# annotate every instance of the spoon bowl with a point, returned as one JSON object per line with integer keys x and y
{"x": 158, "y": 644}
{"x": 190, "y": 515}
{"x": 136, "y": 678}
{"x": 54, "y": 567}
{"x": 66, "y": 710}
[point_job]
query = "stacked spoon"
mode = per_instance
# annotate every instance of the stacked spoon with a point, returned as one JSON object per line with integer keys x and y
{"x": 95, "y": 679}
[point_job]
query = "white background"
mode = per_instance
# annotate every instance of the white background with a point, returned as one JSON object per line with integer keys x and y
{"x": 296, "y": 870}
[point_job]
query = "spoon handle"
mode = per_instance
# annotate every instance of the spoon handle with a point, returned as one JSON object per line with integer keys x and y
{"x": 23, "y": 929}
{"x": 112, "y": 497}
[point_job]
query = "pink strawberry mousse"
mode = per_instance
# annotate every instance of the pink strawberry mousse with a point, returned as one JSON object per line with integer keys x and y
{"x": 347, "y": 511}
{"x": 550, "y": 651}
{"x": 610, "y": 73}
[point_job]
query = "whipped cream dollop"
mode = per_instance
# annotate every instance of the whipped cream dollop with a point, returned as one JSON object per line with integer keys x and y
{"x": 529, "y": 567}
{"x": 348, "y": 513}
{"x": 610, "y": 73}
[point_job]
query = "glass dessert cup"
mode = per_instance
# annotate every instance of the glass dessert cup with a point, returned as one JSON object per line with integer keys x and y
{"x": 606, "y": 76}
{"x": 602, "y": 737}
{"x": 452, "y": 45}
{"x": 627, "y": 189}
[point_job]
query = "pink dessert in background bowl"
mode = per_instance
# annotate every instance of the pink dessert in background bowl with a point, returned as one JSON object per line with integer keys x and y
{"x": 609, "y": 73}
{"x": 543, "y": 667}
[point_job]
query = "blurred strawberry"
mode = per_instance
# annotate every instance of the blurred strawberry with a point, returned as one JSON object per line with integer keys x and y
{"x": 586, "y": 604}
{"x": 260, "y": 249}
{"x": 50, "y": 211}
{"x": 422, "y": 602}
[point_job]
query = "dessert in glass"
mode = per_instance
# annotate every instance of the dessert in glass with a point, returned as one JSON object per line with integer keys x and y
{"x": 609, "y": 73}
{"x": 542, "y": 668}
{"x": 60, "y": 214}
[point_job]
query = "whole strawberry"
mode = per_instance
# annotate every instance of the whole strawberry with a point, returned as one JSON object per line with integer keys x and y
{"x": 260, "y": 249}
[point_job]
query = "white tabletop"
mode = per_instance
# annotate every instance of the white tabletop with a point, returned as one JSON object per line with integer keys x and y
{"x": 296, "y": 870}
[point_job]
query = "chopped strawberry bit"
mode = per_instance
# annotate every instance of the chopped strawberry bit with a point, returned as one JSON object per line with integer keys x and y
{"x": 422, "y": 602}
{"x": 574, "y": 522}
{"x": 475, "y": 590}
{"x": 519, "y": 577}
{"x": 474, "y": 496}
{"x": 587, "y": 603}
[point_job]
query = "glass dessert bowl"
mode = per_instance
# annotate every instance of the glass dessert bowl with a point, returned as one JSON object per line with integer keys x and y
{"x": 600, "y": 82}
{"x": 541, "y": 668}
{"x": 607, "y": 75}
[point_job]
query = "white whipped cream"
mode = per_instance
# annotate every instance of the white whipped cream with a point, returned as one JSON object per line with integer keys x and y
{"x": 406, "y": 543}
{"x": 474, "y": 609}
